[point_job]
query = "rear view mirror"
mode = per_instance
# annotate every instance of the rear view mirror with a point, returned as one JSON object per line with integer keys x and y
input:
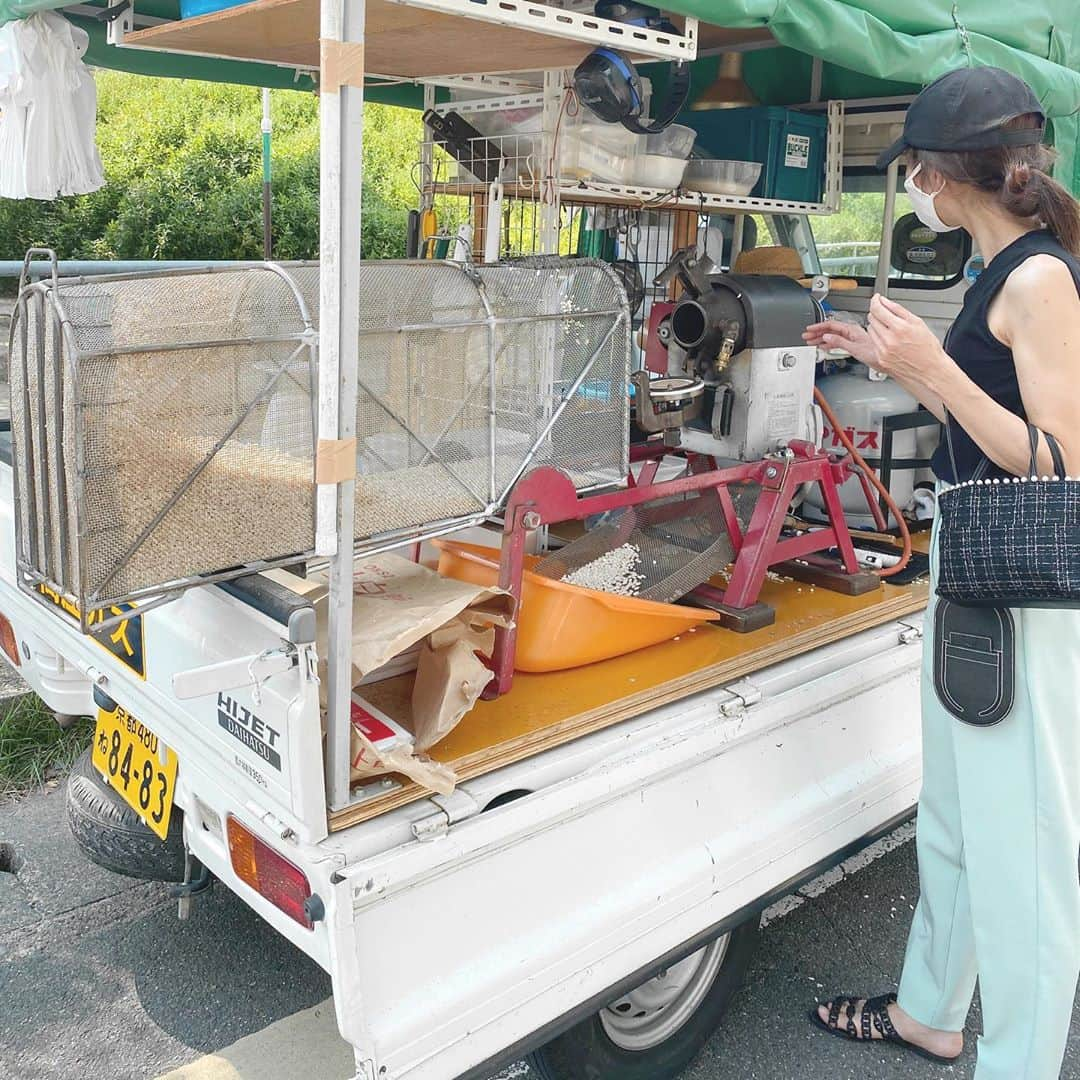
{"x": 921, "y": 251}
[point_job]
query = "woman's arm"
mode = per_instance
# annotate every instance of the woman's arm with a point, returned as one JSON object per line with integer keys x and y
{"x": 835, "y": 334}
{"x": 1037, "y": 314}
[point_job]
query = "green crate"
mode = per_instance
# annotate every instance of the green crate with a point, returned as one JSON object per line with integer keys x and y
{"x": 790, "y": 146}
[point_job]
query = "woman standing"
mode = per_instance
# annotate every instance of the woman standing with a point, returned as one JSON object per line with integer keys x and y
{"x": 999, "y": 812}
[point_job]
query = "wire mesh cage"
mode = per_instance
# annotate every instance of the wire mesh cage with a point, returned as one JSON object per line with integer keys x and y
{"x": 164, "y": 425}
{"x": 143, "y": 425}
{"x": 469, "y": 376}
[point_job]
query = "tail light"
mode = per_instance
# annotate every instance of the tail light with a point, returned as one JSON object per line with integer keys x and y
{"x": 8, "y": 642}
{"x": 272, "y": 875}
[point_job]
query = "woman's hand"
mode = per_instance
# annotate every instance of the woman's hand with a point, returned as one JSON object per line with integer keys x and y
{"x": 904, "y": 347}
{"x": 834, "y": 334}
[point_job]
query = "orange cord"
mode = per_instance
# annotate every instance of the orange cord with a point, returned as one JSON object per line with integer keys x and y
{"x": 872, "y": 476}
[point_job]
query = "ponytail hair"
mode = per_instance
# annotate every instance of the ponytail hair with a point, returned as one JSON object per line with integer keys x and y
{"x": 1020, "y": 178}
{"x": 1031, "y": 193}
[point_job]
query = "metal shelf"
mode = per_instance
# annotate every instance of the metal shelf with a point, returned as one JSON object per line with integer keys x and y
{"x": 592, "y": 192}
{"x": 417, "y": 39}
{"x": 632, "y": 195}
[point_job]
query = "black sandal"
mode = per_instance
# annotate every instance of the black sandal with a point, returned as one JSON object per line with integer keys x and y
{"x": 875, "y": 1011}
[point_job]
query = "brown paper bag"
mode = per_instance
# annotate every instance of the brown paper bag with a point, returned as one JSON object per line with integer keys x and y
{"x": 450, "y": 677}
{"x": 398, "y": 604}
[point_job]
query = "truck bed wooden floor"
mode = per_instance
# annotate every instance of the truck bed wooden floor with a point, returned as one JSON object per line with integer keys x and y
{"x": 543, "y": 711}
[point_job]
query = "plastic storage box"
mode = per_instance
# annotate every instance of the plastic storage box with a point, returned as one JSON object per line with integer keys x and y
{"x": 789, "y": 145}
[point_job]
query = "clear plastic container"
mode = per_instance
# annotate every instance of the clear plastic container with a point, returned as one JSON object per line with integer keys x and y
{"x": 658, "y": 171}
{"x": 674, "y": 141}
{"x": 598, "y": 151}
{"x": 714, "y": 176}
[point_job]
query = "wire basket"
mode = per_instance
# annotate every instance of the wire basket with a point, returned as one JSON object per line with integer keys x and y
{"x": 164, "y": 424}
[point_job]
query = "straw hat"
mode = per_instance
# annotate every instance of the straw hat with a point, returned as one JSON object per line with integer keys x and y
{"x": 782, "y": 261}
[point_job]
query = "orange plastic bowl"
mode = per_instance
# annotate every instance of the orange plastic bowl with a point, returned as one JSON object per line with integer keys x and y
{"x": 565, "y": 626}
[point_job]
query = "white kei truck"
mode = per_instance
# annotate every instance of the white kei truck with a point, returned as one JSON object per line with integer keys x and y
{"x": 591, "y": 901}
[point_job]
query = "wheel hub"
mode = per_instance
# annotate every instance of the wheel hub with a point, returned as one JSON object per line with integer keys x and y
{"x": 655, "y": 1010}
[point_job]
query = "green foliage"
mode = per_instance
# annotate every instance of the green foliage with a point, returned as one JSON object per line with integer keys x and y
{"x": 183, "y": 170}
{"x": 859, "y": 219}
{"x": 33, "y": 747}
{"x": 854, "y": 233}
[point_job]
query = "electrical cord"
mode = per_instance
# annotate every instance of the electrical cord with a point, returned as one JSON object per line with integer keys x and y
{"x": 872, "y": 476}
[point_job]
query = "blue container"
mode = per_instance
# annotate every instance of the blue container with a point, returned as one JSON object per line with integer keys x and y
{"x": 790, "y": 146}
{"x": 190, "y": 8}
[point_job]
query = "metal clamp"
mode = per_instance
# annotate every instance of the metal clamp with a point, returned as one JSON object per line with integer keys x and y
{"x": 665, "y": 404}
{"x": 241, "y": 671}
{"x": 113, "y": 12}
{"x": 119, "y": 21}
{"x": 39, "y": 252}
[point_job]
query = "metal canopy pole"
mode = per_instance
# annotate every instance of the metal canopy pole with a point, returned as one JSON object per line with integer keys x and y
{"x": 884, "y": 266}
{"x": 267, "y": 197}
{"x": 341, "y": 105}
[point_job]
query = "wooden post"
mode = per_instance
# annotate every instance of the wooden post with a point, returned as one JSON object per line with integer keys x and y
{"x": 480, "y": 224}
{"x": 684, "y": 233}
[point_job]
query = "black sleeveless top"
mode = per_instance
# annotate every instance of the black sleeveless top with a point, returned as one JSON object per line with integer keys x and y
{"x": 984, "y": 359}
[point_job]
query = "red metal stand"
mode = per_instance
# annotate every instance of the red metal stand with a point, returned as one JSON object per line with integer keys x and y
{"x": 546, "y": 496}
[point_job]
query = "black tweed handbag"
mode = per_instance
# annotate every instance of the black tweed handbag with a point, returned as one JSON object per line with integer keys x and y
{"x": 1012, "y": 542}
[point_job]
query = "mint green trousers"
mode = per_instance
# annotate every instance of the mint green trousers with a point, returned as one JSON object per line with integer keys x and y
{"x": 997, "y": 838}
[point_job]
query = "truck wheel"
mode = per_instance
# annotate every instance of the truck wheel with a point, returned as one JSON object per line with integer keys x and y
{"x": 111, "y": 834}
{"x": 656, "y": 1030}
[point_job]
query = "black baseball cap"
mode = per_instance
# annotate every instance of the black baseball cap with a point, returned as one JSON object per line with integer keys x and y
{"x": 967, "y": 110}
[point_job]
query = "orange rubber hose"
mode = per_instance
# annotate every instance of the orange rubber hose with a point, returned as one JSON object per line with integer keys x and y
{"x": 872, "y": 476}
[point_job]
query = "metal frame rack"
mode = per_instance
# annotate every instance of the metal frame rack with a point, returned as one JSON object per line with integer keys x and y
{"x": 531, "y": 157}
{"x": 429, "y": 41}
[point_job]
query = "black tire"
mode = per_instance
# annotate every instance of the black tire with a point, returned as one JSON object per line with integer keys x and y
{"x": 110, "y": 833}
{"x": 587, "y": 1052}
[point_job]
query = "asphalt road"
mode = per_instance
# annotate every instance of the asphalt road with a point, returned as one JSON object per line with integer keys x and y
{"x": 99, "y": 979}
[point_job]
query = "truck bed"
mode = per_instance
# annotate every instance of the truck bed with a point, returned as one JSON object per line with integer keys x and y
{"x": 544, "y": 711}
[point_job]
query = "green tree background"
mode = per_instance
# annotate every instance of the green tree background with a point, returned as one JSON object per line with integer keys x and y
{"x": 183, "y": 166}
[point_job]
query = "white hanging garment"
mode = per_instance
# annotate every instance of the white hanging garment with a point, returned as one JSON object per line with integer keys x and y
{"x": 48, "y": 110}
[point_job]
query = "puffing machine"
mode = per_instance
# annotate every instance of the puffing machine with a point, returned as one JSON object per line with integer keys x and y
{"x": 728, "y": 388}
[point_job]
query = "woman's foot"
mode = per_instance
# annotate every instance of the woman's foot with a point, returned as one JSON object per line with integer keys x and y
{"x": 941, "y": 1044}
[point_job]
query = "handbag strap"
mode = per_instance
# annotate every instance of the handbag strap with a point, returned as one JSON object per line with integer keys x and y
{"x": 1055, "y": 452}
{"x": 981, "y": 468}
{"x": 1056, "y": 455}
{"x": 1033, "y": 439}
{"x": 1033, "y": 467}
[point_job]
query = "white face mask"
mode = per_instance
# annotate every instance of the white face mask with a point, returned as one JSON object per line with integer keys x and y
{"x": 923, "y": 203}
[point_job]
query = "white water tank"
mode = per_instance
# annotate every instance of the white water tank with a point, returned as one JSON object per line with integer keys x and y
{"x": 861, "y": 404}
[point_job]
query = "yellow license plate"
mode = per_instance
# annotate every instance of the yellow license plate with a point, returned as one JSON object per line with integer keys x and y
{"x": 137, "y": 764}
